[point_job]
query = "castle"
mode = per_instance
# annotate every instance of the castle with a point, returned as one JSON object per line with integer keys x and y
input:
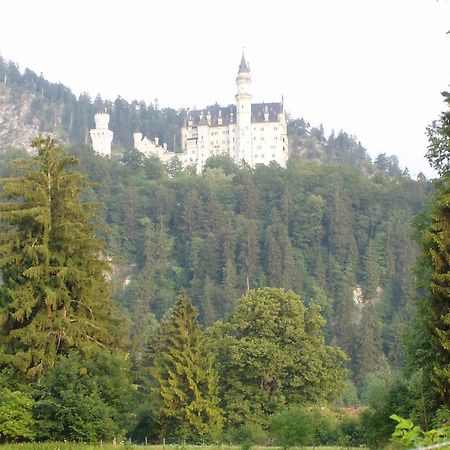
{"x": 101, "y": 136}
{"x": 253, "y": 133}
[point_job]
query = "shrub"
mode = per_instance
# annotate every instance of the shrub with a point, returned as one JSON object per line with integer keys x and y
{"x": 247, "y": 435}
{"x": 293, "y": 426}
{"x": 16, "y": 420}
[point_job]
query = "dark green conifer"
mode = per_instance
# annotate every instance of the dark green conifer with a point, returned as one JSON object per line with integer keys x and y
{"x": 187, "y": 382}
{"x": 53, "y": 295}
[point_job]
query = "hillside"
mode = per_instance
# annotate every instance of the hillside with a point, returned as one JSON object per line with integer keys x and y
{"x": 328, "y": 232}
{"x": 334, "y": 226}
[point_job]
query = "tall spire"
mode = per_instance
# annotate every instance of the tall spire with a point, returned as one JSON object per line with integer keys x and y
{"x": 243, "y": 67}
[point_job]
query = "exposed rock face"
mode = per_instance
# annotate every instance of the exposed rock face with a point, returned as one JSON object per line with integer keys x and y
{"x": 361, "y": 301}
{"x": 20, "y": 112}
{"x": 15, "y": 127}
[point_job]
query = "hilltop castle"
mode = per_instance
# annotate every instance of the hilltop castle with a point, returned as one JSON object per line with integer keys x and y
{"x": 254, "y": 133}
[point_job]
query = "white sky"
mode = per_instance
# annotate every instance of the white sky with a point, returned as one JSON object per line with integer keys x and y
{"x": 374, "y": 68}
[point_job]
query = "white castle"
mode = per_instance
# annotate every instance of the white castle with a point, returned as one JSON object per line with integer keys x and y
{"x": 253, "y": 133}
{"x": 101, "y": 136}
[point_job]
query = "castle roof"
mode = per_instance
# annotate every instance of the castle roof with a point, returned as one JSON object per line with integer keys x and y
{"x": 228, "y": 114}
{"x": 260, "y": 109}
{"x": 199, "y": 117}
{"x": 243, "y": 67}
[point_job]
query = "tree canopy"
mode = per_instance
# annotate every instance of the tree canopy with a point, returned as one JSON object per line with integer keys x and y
{"x": 53, "y": 296}
{"x": 271, "y": 353}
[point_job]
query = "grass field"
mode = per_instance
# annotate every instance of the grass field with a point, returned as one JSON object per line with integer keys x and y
{"x": 68, "y": 446}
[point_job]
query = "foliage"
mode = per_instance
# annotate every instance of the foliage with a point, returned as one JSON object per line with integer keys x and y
{"x": 439, "y": 141}
{"x": 84, "y": 400}
{"x": 16, "y": 419}
{"x": 293, "y": 427}
{"x": 408, "y": 435}
{"x": 54, "y": 296}
{"x": 187, "y": 380}
{"x": 246, "y": 436}
{"x": 321, "y": 230}
{"x": 429, "y": 349}
{"x": 385, "y": 393}
{"x": 271, "y": 352}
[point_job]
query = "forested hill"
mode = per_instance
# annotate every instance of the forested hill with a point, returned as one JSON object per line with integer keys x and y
{"x": 30, "y": 104}
{"x": 331, "y": 233}
{"x": 338, "y": 232}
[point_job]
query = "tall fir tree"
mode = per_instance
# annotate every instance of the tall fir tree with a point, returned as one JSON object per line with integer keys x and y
{"x": 430, "y": 344}
{"x": 187, "y": 383}
{"x": 53, "y": 296}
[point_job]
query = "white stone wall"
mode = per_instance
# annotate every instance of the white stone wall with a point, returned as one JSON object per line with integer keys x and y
{"x": 269, "y": 143}
{"x": 101, "y": 136}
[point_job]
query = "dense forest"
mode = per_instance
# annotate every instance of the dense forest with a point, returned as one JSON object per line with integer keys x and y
{"x": 217, "y": 281}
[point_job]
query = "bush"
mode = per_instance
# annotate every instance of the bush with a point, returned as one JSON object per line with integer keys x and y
{"x": 16, "y": 421}
{"x": 350, "y": 431}
{"x": 247, "y": 435}
{"x": 292, "y": 427}
{"x": 84, "y": 399}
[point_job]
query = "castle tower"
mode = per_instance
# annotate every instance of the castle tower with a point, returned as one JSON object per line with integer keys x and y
{"x": 243, "y": 148}
{"x": 101, "y": 136}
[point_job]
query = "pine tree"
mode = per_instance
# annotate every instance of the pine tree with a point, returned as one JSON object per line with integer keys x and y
{"x": 370, "y": 346}
{"x": 430, "y": 341}
{"x": 53, "y": 295}
{"x": 187, "y": 381}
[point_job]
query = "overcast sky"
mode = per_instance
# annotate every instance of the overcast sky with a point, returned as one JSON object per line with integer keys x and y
{"x": 372, "y": 68}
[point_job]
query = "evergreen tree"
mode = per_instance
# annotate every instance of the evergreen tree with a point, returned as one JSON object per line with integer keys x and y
{"x": 370, "y": 349}
{"x": 54, "y": 296}
{"x": 187, "y": 381}
{"x": 429, "y": 346}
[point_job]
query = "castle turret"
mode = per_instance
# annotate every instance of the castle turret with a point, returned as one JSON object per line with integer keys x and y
{"x": 243, "y": 114}
{"x": 101, "y": 136}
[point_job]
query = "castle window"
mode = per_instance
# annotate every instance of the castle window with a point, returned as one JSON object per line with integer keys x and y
{"x": 275, "y": 128}
{"x": 262, "y": 138}
{"x": 275, "y": 138}
{"x": 261, "y": 129}
{"x": 273, "y": 156}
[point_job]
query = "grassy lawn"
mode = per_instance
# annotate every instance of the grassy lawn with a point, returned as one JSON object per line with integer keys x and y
{"x": 67, "y": 446}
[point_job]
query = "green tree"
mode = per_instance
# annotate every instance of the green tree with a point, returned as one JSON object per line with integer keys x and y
{"x": 369, "y": 354}
{"x": 16, "y": 419}
{"x": 429, "y": 346}
{"x": 187, "y": 382}
{"x": 271, "y": 352}
{"x": 54, "y": 296}
{"x": 85, "y": 400}
{"x": 293, "y": 427}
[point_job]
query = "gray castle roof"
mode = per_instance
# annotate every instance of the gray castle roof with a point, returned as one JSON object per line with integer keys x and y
{"x": 243, "y": 67}
{"x": 228, "y": 114}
